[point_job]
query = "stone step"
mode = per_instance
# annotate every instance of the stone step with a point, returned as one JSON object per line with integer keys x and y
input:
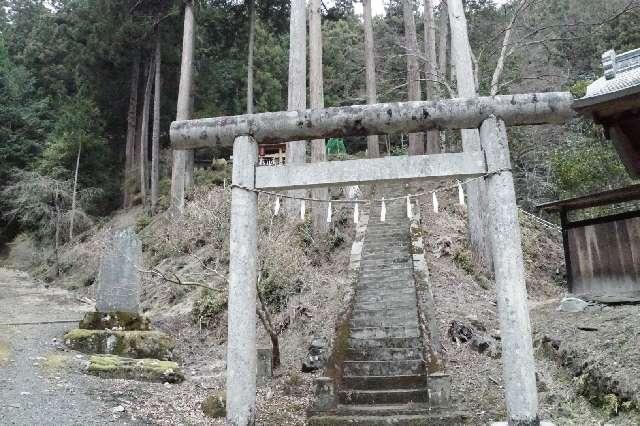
{"x": 388, "y": 226}
{"x": 387, "y": 272}
{"x": 384, "y": 332}
{"x": 382, "y": 298}
{"x": 373, "y": 289}
{"x": 386, "y": 322}
{"x": 383, "y": 368}
{"x": 386, "y": 291}
{"x": 384, "y": 415}
{"x": 388, "y": 283}
{"x": 390, "y": 288}
{"x": 387, "y": 248}
{"x": 371, "y": 270}
{"x": 391, "y": 281}
{"x": 378, "y": 240}
{"x": 367, "y": 266}
{"x": 392, "y": 223}
{"x": 384, "y": 342}
{"x": 382, "y": 313}
{"x": 373, "y": 231}
{"x": 384, "y": 354}
{"x": 388, "y": 396}
{"x": 390, "y": 259}
{"x": 384, "y": 255}
{"x": 375, "y": 306}
{"x": 384, "y": 382}
{"x": 374, "y": 236}
{"x": 409, "y": 303}
{"x": 391, "y": 213}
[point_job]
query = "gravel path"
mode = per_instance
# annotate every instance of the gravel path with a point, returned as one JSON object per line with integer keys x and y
{"x": 41, "y": 382}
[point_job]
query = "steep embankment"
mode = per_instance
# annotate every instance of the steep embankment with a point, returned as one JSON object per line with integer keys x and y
{"x": 305, "y": 283}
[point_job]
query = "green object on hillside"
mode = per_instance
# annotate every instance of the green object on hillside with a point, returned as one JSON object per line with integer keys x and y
{"x": 336, "y": 146}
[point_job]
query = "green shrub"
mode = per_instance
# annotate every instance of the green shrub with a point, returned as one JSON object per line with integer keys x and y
{"x": 210, "y": 305}
{"x": 142, "y": 222}
{"x": 462, "y": 258}
{"x": 208, "y": 178}
{"x": 579, "y": 88}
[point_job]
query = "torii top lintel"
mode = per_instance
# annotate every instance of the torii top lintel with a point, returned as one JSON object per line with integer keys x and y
{"x": 374, "y": 119}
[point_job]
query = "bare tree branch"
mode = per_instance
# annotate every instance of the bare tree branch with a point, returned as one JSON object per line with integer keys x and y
{"x": 497, "y": 73}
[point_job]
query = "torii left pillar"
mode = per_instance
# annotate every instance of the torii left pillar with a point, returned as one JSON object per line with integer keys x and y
{"x": 243, "y": 269}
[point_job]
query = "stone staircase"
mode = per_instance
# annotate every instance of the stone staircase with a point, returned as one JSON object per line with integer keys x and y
{"x": 382, "y": 377}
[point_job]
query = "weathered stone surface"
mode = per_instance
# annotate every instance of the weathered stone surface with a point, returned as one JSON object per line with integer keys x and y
{"x": 114, "y": 321}
{"x": 572, "y": 305}
{"x": 152, "y": 370}
{"x": 135, "y": 344}
{"x": 214, "y": 406}
{"x": 325, "y": 394}
{"x": 363, "y": 120}
{"x": 264, "y": 365}
{"x": 118, "y": 285}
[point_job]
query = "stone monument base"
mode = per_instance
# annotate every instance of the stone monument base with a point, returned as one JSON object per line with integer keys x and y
{"x": 135, "y": 344}
{"x": 114, "y": 321}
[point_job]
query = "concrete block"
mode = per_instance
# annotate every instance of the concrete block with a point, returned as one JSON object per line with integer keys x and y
{"x": 326, "y": 397}
{"x": 264, "y": 370}
{"x": 439, "y": 386}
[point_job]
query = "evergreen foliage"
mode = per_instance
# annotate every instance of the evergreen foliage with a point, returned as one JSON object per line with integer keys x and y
{"x": 65, "y": 71}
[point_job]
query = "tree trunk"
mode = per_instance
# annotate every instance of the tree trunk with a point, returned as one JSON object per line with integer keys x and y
{"x": 136, "y": 150}
{"x": 373, "y": 147}
{"x": 75, "y": 191}
{"x": 252, "y": 42}
{"x": 497, "y": 73}
{"x": 183, "y": 158}
{"x": 443, "y": 61}
{"x": 443, "y": 46}
{"x": 297, "y": 96}
{"x": 461, "y": 57}
{"x": 144, "y": 137}
{"x": 416, "y": 140}
{"x": 267, "y": 323}
{"x": 132, "y": 121}
{"x": 316, "y": 99}
{"x": 430, "y": 71}
{"x": 155, "y": 139}
{"x": 56, "y": 243}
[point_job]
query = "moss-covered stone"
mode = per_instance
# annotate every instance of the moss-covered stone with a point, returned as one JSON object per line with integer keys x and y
{"x": 214, "y": 406}
{"x": 151, "y": 370}
{"x": 114, "y": 321}
{"x": 135, "y": 344}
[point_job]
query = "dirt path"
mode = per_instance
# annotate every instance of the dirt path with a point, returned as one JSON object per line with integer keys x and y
{"x": 40, "y": 380}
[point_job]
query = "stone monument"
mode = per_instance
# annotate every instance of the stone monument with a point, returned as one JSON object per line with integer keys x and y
{"x": 118, "y": 288}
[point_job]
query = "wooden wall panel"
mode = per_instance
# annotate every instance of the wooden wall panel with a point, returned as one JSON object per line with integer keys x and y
{"x": 605, "y": 260}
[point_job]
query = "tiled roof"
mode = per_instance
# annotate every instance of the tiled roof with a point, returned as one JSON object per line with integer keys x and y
{"x": 620, "y": 72}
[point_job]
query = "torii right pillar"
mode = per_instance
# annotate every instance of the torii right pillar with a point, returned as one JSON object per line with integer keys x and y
{"x": 506, "y": 247}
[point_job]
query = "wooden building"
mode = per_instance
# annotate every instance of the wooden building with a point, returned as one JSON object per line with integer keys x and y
{"x": 603, "y": 254}
{"x": 272, "y": 155}
{"x": 614, "y": 101}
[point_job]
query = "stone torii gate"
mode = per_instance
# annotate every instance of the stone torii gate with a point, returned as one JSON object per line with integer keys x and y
{"x": 490, "y": 114}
